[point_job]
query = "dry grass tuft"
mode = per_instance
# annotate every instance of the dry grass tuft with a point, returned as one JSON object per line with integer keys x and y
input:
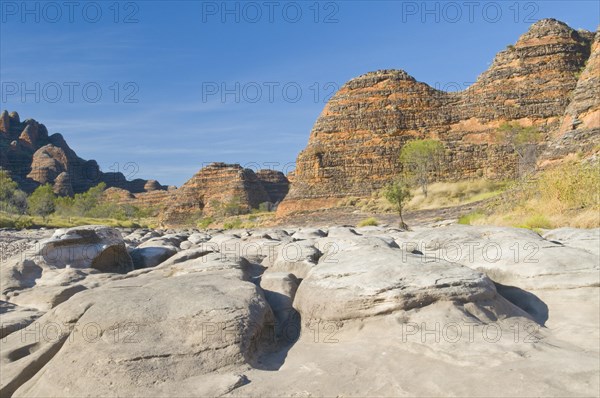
{"x": 567, "y": 195}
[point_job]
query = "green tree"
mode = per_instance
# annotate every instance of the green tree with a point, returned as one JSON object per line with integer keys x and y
{"x": 19, "y": 202}
{"x": 419, "y": 159}
{"x": 7, "y": 186}
{"x": 398, "y": 194}
{"x": 524, "y": 142}
{"x": 12, "y": 199}
{"x": 85, "y": 204}
{"x": 41, "y": 201}
{"x": 64, "y": 206}
{"x": 233, "y": 207}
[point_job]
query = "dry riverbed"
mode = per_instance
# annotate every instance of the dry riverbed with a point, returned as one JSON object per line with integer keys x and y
{"x": 300, "y": 311}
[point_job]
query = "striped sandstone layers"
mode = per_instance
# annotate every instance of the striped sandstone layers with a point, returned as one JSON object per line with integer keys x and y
{"x": 354, "y": 145}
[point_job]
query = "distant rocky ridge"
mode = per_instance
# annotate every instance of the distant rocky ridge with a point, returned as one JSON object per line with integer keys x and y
{"x": 211, "y": 188}
{"x": 548, "y": 79}
{"x": 219, "y": 184}
{"x": 33, "y": 157}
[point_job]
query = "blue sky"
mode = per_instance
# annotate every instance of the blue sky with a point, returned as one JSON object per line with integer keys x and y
{"x": 186, "y": 83}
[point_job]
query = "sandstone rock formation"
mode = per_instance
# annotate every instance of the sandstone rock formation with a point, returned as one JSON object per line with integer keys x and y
{"x": 275, "y": 183}
{"x": 34, "y": 157}
{"x": 184, "y": 335}
{"x": 63, "y": 185}
{"x": 48, "y": 273}
{"x": 579, "y": 131}
{"x": 354, "y": 145}
{"x": 218, "y": 185}
{"x": 369, "y": 316}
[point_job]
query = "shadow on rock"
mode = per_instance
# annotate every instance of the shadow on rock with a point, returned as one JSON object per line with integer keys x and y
{"x": 280, "y": 342}
{"x": 527, "y": 301}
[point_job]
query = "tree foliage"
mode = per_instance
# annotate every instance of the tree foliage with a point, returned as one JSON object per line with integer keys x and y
{"x": 524, "y": 142}
{"x": 12, "y": 199}
{"x": 93, "y": 203}
{"x": 398, "y": 194}
{"x": 420, "y": 159}
{"x": 41, "y": 201}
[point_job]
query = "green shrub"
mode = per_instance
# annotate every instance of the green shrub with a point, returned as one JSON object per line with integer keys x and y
{"x": 368, "y": 222}
{"x": 205, "y": 222}
{"x": 535, "y": 222}
{"x": 12, "y": 199}
{"x": 23, "y": 222}
{"x": 41, "y": 201}
{"x": 265, "y": 207}
{"x": 6, "y": 222}
{"x": 17, "y": 222}
{"x": 571, "y": 186}
{"x": 468, "y": 219}
{"x": 234, "y": 224}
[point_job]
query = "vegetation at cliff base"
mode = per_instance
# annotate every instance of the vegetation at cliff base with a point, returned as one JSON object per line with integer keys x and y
{"x": 41, "y": 201}
{"x": 457, "y": 193}
{"x": 43, "y": 208}
{"x": 420, "y": 160}
{"x": 565, "y": 195}
{"x": 524, "y": 142}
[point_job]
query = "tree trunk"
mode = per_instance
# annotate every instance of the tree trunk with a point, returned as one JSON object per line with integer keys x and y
{"x": 402, "y": 223}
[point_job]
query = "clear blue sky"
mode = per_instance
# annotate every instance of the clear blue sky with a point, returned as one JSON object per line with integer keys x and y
{"x": 175, "y": 58}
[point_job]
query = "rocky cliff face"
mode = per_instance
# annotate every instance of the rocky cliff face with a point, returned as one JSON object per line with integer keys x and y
{"x": 219, "y": 185}
{"x": 34, "y": 157}
{"x": 275, "y": 183}
{"x": 579, "y": 130}
{"x": 354, "y": 146}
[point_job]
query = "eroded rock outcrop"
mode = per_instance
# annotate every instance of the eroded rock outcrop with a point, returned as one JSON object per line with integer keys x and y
{"x": 191, "y": 333}
{"x": 503, "y": 305}
{"x": 579, "y": 132}
{"x": 219, "y": 185}
{"x": 34, "y": 157}
{"x": 354, "y": 145}
{"x": 275, "y": 183}
{"x": 52, "y": 270}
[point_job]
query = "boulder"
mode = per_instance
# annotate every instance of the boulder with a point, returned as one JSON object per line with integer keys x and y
{"x": 173, "y": 240}
{"x": 297, "y": 258}
{"x": 93, "y": 246}
{"x": 189, "y": 254}
{"x": 308, "y": 233}
{"x": 185, "y": 245}
{"x": 171, "y": 334}
{"x": 199, "y": 237}
{"x": 586, "y": 239}
{"x": 367, "y": 280}
{"x": 511, "y": 256}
